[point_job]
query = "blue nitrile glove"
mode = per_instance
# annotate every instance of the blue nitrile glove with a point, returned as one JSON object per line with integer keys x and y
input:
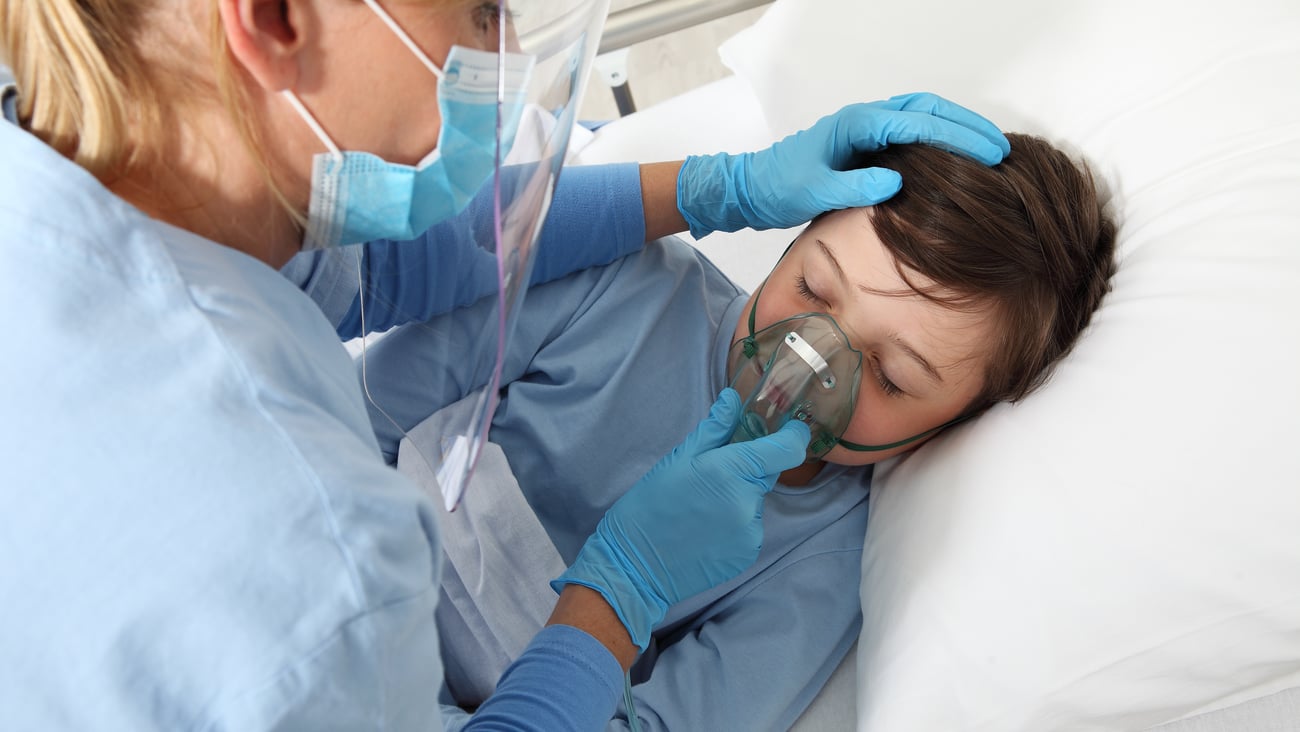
{"x": 693, "y": 522}
{"x": 806, "y": 173}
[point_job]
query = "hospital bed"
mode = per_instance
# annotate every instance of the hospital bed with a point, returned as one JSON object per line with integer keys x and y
{"x": 1122, "y": 549}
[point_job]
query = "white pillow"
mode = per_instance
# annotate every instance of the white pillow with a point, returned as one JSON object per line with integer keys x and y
{"x": 1122, "y": 548}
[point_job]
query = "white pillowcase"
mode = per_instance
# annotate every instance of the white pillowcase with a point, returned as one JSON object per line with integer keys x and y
{"x": 1122, "y": 548}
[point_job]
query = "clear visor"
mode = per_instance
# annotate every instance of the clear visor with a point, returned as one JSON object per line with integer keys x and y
{"x": 496, "y": 234}
{"x": 801, "y": 368}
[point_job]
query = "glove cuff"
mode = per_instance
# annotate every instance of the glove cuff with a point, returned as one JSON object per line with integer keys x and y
{"x": 711, "y": 192}
{"x": 598, "y": 567}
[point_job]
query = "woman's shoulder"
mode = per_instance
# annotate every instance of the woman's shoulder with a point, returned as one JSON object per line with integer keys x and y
{"x": 186, "y": 391}
{"x": 198, "y": 477}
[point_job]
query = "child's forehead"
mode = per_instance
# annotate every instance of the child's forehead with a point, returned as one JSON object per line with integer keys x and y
{"x": 890, "y": 294}
{"x": 847, "y": 241}
{"x": 846, "y": 220}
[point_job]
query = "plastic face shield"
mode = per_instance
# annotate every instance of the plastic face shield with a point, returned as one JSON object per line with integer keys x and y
{"x": 800, "y": 368}
{"x": 496, "y": 234}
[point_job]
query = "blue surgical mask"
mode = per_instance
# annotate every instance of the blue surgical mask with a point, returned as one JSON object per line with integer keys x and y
{"x": 358, "y": 197}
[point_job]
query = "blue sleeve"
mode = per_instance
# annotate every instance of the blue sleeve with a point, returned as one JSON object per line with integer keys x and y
{"x": 565, "y": 680}
{"x": 760, "y": 662}
{"x": 597, "y": 216}
{"x": 417, "y": 370}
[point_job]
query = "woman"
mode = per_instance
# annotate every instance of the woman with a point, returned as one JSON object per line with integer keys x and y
{"x": 958, "y": 293}
{"x": 201, "y": 530}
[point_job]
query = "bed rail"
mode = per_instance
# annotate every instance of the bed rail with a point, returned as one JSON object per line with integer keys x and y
{"x": 656, "y": 18}
{"x": 649, "y": 20}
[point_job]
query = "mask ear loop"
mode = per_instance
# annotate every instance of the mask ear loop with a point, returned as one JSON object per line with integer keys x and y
{"x": 406, "y": 39}
{"x": 312, "y": 122}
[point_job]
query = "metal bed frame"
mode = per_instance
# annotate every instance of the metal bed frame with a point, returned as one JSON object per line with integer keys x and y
{"x": 660, "y": 17}
{"x": 649, "y": 20}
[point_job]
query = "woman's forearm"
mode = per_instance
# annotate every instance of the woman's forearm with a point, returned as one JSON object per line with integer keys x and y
{"x": 585, "y": 609}
{"x": 659, "y": 199}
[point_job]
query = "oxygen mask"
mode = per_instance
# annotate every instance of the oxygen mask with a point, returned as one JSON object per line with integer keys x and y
{"x": 800, "y": 368}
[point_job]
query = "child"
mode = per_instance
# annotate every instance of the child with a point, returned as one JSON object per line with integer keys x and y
{"x": 958, "y": 293}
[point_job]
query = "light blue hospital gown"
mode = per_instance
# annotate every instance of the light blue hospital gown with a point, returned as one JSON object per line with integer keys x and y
{"x": 608, "y": 370}
{"x": 197, "y": 531}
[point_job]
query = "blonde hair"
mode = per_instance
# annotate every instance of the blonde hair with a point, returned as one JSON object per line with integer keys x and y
{"x": 81, "y": 85}
{"x": 85, "y": 89}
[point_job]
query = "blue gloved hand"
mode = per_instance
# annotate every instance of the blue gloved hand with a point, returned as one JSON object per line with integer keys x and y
{"x": 806, "y": 173}
{"x": 693, "y": 522}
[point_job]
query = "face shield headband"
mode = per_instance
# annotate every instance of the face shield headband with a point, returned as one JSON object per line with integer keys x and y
{"x": 804, "y": 368}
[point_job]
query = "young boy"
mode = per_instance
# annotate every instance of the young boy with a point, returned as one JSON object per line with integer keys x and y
{"x": 959, "y": 292}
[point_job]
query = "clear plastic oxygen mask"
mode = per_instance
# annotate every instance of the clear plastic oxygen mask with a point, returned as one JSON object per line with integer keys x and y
{"x": 800, "y": 368}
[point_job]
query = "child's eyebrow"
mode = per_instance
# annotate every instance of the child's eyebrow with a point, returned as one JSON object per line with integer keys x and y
{"x": 839, "y": 271}
{"x": 834, "y": 262}
{"x": 903, "y": 346}
{"x": 912, "y": 353}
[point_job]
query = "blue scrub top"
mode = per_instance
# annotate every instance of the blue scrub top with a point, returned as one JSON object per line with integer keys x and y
{"x": 608, "y": 370}
{"x": 196, "y": 528}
